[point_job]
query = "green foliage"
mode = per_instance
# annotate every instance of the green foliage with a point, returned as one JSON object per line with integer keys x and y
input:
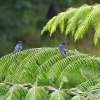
{"x": 36, "y": 93}
{"x": 43, "y": 73}
{"x": 58, "y": 95}
{"x": 90, "y": 88}
{"x": 16, "y": 92}
{"x": 76, "y": 21}
{"x": 3, "y": 89}
{"x": 78, "y": 98}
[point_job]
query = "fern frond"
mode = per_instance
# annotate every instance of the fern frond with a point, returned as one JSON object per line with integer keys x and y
{"x": 97, "y": 34}
{"x": 36, "y": 60}
{"x": 41, "y": 72}
{"x": 78, "y": 97}
{"x": 76, "y": 21}
{"x": 90, "y": 88}
{"x": 72, "y": 52}
{"x": 16, "y": 67}
{"x": 36, "y": 93}
{"x": 60, "y": 20}
{"x": 25, "y": 72}
{"x": 11, "y": 59}
{"x": 80, "y": 13}
{"x": 95, "y": 22}
{"x": 5, "y": 66}
{"x": 48, "y": 26}
{"x": 16, "y": 92}
{"x": 57, "y": 68}
{"x": 94, "y": 97}
{"x": 3, "y": 89}
{"x": 48, "y": 53}
{"x": 50, "y": 62}
{"x": 46, "y": 66}
{"x": 55, "y": 23}
{"x": 87, "y": 22}
{"x": 4, "y": 59}
{"x": 70, "y": 70}
{"x": 93, "y": 90}
{"x": 10, "y": 72}
{"x": 58, "y": 95}
{"x": 64, "y": 19}
{"x": 89, "y": 83}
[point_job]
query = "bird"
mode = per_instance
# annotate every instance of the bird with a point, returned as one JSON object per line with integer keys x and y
{"x": 62, "y": 49}
{"x": 18, "y": 47}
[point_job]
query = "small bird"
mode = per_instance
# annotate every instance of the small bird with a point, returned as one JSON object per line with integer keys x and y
{"x": 18, "y": 47}
{"x": 62, "y": 49}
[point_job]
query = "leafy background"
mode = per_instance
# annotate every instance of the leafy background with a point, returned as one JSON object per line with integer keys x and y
{"x": 24, "y": 20}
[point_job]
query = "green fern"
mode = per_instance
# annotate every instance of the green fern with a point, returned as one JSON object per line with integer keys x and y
{"x": 70, "y": 71}
{"x": 58, "y": 67}
{"x": 76, "y": 21}
{"x": 79, "y": 15}
{"x": 43, "y": 73}
{"x": 36, "y": 93}
{"x": 90, "y": 88}
{"x": 95, "y": 12}
{"x": 3, "y": 89}
{"x": 16, "y": 92}
{"x": 58, "y": 95}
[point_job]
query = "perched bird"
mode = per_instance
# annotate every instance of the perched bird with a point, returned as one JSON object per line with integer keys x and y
{"x": 18, "y": 47}
{"x": 62, "y": 49}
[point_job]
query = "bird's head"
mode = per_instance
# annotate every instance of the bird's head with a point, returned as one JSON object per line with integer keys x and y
{"x": 63, "y": 43}
{"x": 20, "y": 42}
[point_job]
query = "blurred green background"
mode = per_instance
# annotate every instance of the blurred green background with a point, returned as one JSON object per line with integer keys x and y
{"x": 24, "y": 19}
